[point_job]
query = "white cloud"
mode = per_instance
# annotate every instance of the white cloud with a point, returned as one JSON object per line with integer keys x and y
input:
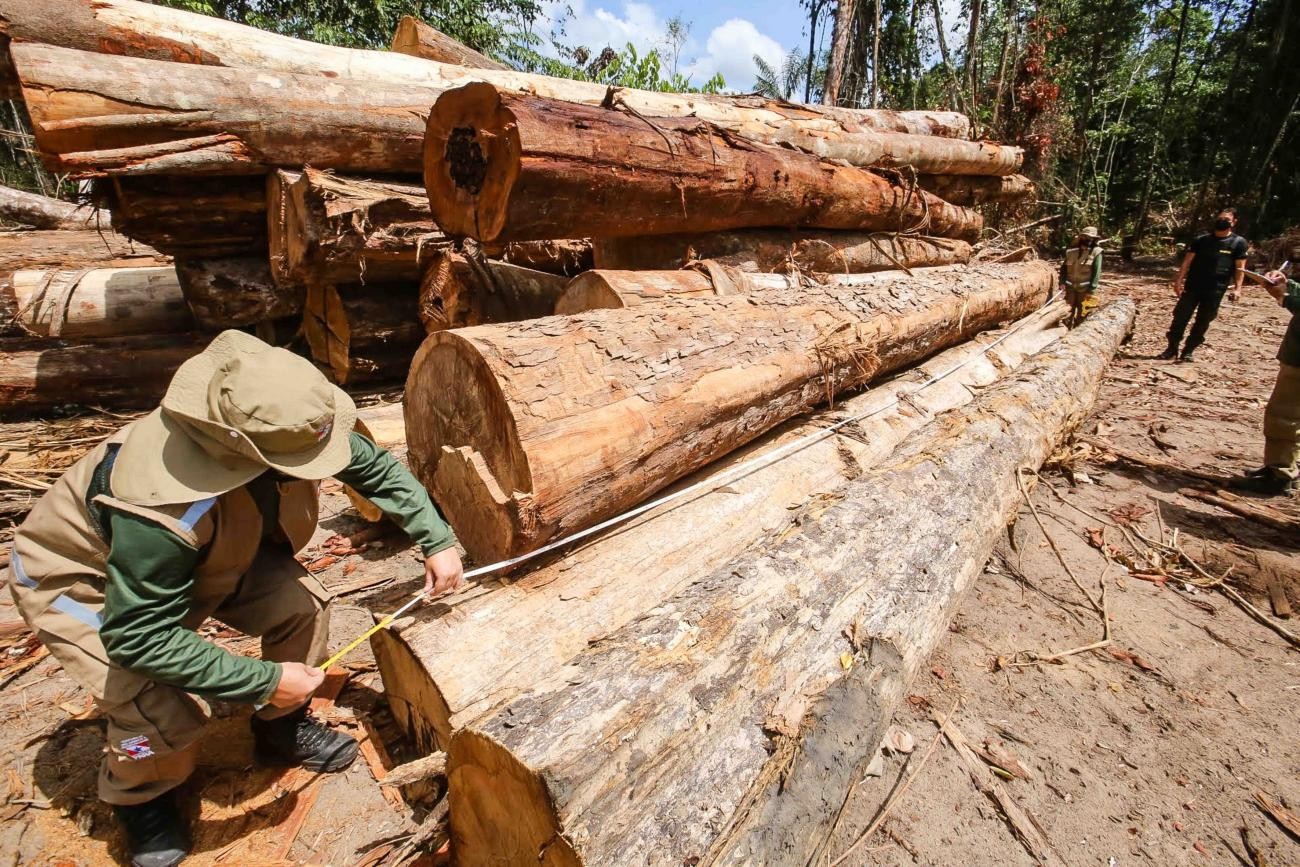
{"x": 731, "y": 48}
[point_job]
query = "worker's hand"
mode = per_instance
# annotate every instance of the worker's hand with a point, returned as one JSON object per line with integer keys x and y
{"x": 1275, "y": 277}
{"x": 443, "y": 572}
{"x": 1276, "y": 285}
{"x": 297, "y": 684}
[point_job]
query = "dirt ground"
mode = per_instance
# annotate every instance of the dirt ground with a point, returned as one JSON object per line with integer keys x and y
{"x": 1149, "y": 750}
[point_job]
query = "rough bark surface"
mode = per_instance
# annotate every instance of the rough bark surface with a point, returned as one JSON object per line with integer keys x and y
{"x": 98, "y": 114}
{"x": 530, "y": 628}
{"x": 603, "y": 289}
{"x": 193, "y": 217}
{"x": 417, "y": 39}
{"x": 235, "y": 291}
{"x": 64, "y": 248}
{"x": 101, "y": 302}
{"x": 503, "y": 166}
{"x": 780, "y": 250}
{"x": 337, "y": 229}
{"x": 38, "y": 374}
{"x": 727, "y": 725}
{"x": 458, "y": 291}
{"x": 970, "y": 190}
{"x": 527, "y": 431}
{"x": 136, "y": 29}
{"x": 42, "y": 212}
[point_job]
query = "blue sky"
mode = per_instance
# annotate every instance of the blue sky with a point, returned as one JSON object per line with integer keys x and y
{"x": 724, "y": 35}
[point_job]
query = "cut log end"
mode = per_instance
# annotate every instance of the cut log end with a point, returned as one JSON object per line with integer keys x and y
{"x": 506, "y": 816}
{"x": 590, "y": 291}
{"x": 452, "y": 396}
{"x": 472, "y": 161}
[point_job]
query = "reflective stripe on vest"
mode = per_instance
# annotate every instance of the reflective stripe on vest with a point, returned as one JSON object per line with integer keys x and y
{"x": 61, "y": 603}
{"x": 196, "y": 512}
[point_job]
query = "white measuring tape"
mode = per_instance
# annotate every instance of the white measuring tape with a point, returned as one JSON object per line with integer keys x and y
{"x": 733, "y": 474}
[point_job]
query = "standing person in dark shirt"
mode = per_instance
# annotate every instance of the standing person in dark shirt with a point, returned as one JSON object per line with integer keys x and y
{"x": 1212, "y": 264}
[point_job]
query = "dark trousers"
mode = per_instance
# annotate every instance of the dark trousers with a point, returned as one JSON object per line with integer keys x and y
{"x": 1202, "y": 304}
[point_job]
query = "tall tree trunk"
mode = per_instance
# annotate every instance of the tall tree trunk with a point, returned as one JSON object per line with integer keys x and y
{"x": 914, "y": 51}
{"x": 972, "y": 47}
{"x": 1144, "y": 205}
{"x": 418, "y": 39}
{"x": 728, "y": 726}
{"x": 532, "y": 627}
{"x": 563, "y": 421}
{"x": 875, "y": 54}
{"x": 843, "y": 32}
{"x": 954, "y": 88}
{"x": 508, "y": 167}
{"x": 814, "y": 12}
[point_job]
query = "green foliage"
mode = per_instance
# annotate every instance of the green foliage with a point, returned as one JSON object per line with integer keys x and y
{"x": 787, "y": 82}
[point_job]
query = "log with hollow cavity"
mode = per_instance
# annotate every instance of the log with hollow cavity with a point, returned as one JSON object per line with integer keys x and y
{"x": 779, "y": 250}
{"x": 531, "y": 627}
{"x": 505, "y": 166}
{"x": 527, "y": 431}
{"x": 726, "y": 725}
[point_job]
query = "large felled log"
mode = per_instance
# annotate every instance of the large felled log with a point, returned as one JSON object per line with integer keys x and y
{"x": 602, "y": 289}
{"x": 101, "y": 302}
{"x": 527, "y": 431}
{"x": 459, "y": 291}
{"x": 781, "y": 250}
{"x": 66, "y": 248}
{"x": 42, "y": 212}
{"x": 135, "y": 29}
{"x": 727, "y": 725}
{"x": 338, "y": 229}
{"x": 532, "y": 627}
{"x": 127, "y": 373}
{"x": 191, "y": 217}
{"x": 98, "y": 114}
{"x": 417, "y": 39}
{"x": 501, "y": 166}
{"x": 968, "y": 190}
{"x": 236, "y": 291}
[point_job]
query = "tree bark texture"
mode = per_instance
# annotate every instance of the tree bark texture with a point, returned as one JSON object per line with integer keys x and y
{"x": 844, "y": 11}
{"x": 340, "y": 229}
{"x": 532, "y": 627}
{"x": 66, "y": 248}
{"x": 101, "y": 302}
{"x": 779, "y": 250}
{"x": 135, "y": 29}
{"x": 337, "y": 229}
{"x": 528, "y": 431}
{"x": 727, "y": 725}
{"x": 42, "y": 212}
{"x": 971, "y": 190}
{"x": 236, "y": 291}
{"x": 458, "y": 291}
{"x": 38, "y": 374}
{"x": 415, "y": 38}
{"x": 604, "y": 289}
{"x": 96, "y": 114}
{"x": 189, "y": 217}
{"x": 502, "y": 166}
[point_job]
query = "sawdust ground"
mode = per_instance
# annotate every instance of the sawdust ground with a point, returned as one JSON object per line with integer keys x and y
{"x": 1127, "y": 765}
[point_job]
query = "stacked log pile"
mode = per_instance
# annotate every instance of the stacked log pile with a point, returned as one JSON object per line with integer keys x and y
{"x": 761, "y": 331}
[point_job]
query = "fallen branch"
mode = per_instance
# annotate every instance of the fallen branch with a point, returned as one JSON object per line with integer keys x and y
{"x": 1256, "y": 512}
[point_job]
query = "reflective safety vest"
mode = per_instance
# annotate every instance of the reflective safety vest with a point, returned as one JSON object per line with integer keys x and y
{"x": 1078, "y": 266}
{"x": 60, "y": 560}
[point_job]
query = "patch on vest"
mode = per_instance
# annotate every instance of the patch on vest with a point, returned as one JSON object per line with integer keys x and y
{"x": 137, "y": 747}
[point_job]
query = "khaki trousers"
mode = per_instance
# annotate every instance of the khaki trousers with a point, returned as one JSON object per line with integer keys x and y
{"x": 153, "y": 736}
{"x": 1282, "y": 424}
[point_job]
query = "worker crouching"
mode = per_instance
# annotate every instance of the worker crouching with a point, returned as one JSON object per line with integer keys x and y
{"x": 196, "y": 511}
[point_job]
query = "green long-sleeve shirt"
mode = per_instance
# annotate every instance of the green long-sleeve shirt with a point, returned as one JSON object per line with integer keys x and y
{"x": 151, "y": 576}
{"x": 1289, "y": 353}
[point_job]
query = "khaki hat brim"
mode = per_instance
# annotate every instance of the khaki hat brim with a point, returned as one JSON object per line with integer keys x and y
{"x": 178, "y": 454}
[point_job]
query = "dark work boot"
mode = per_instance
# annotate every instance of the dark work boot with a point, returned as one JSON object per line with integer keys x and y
{"x": 156, "y": 832}
{"x": 1170, "y": 353}
{"x": 299, "y": 739}
{"x": 1186, "y": 356}
{"x": 1269, "y": 483}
